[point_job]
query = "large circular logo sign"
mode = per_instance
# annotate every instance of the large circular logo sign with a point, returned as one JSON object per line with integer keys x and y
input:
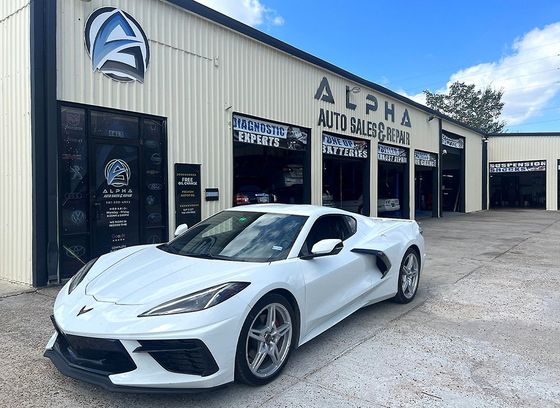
{"x": 117, "y": 45}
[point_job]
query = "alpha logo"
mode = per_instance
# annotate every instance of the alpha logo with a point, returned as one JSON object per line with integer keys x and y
{"x": 117, "y": 173}
{"x": 84, "y": 310}
{"x": 117, "y": 45}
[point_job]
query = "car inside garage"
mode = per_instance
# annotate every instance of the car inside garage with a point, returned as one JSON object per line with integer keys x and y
{"x": 346, "y": 178}
{"x": 270, "y": 162}
{"x": 518, "y": 184}
{"x": 452, "y": 173}
{"x": 392, "y": 182}
{"x": 425, "y": 184}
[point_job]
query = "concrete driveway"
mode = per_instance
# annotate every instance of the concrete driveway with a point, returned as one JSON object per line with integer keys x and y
{"x": 484, "y": 331}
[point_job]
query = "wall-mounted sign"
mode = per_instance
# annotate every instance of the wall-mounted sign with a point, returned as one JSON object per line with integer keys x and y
{"x": 117, "y": 45}
{"x": 425, "y": 159}
{"x": 384, "y": 131}
{"x": 260, "y": 132}
{"x": 518, "y": 167}
{"x": 340, "y": 146}
{"x": 457, "y": 143}
{"x": 391, "y": 154}
{"x": 187, "y": 194}
{"x": 212, "y": 194}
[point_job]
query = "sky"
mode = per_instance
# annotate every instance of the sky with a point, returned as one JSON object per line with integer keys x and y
{"x": 410, "y": 46}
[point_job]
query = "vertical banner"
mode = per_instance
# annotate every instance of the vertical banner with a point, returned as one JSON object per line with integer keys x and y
{"x": 187, "y": 194}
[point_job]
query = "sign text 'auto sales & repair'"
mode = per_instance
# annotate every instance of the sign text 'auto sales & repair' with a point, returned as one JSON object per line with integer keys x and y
{"x": 342, "y": 122}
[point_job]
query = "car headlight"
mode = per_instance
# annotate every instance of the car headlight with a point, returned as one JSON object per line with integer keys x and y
{"x": 197, "y": 301}
{"x": 79, "y": 277}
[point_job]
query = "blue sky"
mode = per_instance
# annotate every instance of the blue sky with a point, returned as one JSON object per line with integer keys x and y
{"x": 409, "y": 46}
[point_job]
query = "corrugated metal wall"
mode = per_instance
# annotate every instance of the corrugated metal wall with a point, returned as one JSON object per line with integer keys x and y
{"x": 15, "y": 142}
{"x": 200, "y": 73}
{"x": 522, "y": 148}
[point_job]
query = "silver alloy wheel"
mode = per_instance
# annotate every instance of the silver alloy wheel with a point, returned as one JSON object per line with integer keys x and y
{"x": 410, "y": 275}
{"x": 269, "y": 340}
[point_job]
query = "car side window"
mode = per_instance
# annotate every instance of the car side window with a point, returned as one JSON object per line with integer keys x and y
{"x": 352, "y": 226}
{"x": 329, "y": 227}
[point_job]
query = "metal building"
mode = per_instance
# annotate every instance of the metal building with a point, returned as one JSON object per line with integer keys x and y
{"x": 123, "y": 119}
{"x": 524, "y": 170}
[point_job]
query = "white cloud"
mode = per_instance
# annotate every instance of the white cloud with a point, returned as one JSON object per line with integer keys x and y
{"x": 529, "y": 74}
{"x": 278, "y": 21}
{"x": 251, "y": 12}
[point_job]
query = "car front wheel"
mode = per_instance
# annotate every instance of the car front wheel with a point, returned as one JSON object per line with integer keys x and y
{"x": 266, "y": 341}
{"x": 409, "y": 276}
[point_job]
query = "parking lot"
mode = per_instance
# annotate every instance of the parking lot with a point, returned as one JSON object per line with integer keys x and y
{"x": 484, "y": 330}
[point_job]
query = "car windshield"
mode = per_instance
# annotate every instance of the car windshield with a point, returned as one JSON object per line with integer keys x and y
{"x": 239, "y": 236}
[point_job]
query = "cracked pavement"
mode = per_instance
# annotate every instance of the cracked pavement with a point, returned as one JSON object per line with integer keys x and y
{"x": 484, "y": 331}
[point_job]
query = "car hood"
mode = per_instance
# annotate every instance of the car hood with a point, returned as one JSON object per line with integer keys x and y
{"x": 151, "y": 275}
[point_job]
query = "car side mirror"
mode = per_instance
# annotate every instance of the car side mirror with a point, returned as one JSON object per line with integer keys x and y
{"x": 181, "y": 229}
{"x": 326, "y": 247}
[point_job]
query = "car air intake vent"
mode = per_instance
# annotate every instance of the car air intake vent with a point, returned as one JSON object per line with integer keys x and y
{"x": 102, "y": 356}
{"x": 181, "y": 356}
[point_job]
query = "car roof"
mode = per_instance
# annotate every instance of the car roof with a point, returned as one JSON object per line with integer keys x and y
{"x": 292, "y": 209}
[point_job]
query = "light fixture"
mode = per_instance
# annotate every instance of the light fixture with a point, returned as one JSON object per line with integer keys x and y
{"x": 354, "y": 89}
{"x": 431, "y": 117}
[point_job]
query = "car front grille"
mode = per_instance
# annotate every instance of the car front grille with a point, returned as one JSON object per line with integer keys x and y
{"x": 181, "y": 356}
{"x": 101, "y": 356}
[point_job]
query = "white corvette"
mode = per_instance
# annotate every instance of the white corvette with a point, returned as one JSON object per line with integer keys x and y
{"x": 230, "y": 298}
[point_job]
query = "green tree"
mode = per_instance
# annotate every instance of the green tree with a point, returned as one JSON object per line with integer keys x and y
{"x": 479, "y": 108}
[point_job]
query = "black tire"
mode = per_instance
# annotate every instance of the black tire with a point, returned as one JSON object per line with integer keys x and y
{"x": 243, "y": 372}
{"x": 403, "y": 296}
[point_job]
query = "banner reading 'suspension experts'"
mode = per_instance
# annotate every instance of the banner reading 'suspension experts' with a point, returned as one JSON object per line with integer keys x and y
{"x": 518, "y": 167}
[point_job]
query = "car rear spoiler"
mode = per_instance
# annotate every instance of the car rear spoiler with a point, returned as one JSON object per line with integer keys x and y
{"x": 382, "y": 261}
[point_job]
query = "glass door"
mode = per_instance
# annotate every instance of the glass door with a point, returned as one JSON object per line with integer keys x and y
{"x": 115, "y": 197}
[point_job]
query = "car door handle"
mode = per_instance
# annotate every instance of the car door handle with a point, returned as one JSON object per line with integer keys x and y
{"x": 382, "y": 261}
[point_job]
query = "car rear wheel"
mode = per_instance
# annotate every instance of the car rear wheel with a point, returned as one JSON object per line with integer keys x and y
{"x": 409, "y": 276}
{"x": 266, "y": 341}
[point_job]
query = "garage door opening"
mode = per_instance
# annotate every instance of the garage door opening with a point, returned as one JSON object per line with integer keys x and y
{"x": 270, "y": 162}
{"x": 453, "y": 174}
{"x": 425, "y": 185}
{"x": 518, "y": 184}
{"x": 346, "y": 174}
{"x": 392, "y": 182}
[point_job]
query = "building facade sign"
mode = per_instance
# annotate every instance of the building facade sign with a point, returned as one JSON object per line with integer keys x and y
{"x": 263, "y": 133}
{"x": 425, "y": 159}
{"x": 457, "y": 143}
{"x": 117, "y": 45}
{"x": 392, "y": 154}
{"x": 518, "y": 167}
{"x": 384, "y": 131}
{"x": 339, "y": 146}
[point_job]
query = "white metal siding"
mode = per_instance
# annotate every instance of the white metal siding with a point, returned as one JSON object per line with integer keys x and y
{"x": 522, "y": 148}
{"x": 201, "y": 72}
{"x": 15, "y": 142}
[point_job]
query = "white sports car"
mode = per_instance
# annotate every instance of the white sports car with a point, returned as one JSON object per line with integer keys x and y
{"x": 230, "y": 298}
